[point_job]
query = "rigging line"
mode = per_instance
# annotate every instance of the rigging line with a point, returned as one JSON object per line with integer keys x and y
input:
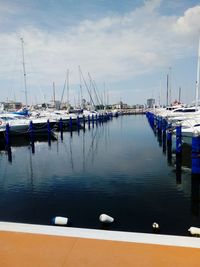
{"x": 93, "y": 85}
{"x": 101, "y": 100}
{"x": 87, "y": 87}
{"x": 81, "y": 86}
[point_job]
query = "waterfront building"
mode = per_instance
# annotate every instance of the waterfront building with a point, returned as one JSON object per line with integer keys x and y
{"x": 12, "y": 105}
{"x": 150, "y": 102}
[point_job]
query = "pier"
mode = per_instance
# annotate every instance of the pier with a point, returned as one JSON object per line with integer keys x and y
{"x": 36, "y": 245}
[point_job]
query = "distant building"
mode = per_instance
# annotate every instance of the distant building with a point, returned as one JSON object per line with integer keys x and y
{"x": 138, "y": 106}
{"x": 121, "y": 105}
{"x": 11, "y": 105}
{"x": 150, "y": 102}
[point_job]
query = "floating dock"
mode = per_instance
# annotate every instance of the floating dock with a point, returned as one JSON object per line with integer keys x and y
{"x": 37, "y": 245}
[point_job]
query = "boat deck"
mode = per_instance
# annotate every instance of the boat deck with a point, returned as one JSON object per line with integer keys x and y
{"x": 29, "y": 245}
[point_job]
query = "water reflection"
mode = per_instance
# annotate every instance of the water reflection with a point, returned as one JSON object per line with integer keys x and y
{"x": 195, "y": 199}
{"x": 178, "y": 167}
{"x": 116, "y": 168}
{"x": 184, "y": 177}
{"x": 164, "y": 142}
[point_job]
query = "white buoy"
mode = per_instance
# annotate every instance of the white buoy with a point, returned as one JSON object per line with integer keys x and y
{"x": 104, "y": 218}
{"x": 155, "y": 226}
{"x": 194, "y": 230}
{"x": 58, "y": 220}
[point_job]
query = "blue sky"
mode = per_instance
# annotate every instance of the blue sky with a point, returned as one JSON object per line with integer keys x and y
{"x": 129, "y": 45}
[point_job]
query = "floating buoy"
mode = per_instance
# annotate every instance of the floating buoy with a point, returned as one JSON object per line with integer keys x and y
{"x": 155, "y": 226}
{"x": 104, "y": 218}
{"x": 58, "y": 220}
{"x": 194, "y": 230}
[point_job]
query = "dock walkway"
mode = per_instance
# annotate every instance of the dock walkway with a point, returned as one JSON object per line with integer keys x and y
{"x": 36, "y": 245}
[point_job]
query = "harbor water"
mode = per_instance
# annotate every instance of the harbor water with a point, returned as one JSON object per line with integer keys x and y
{"x": 120, "y": 168}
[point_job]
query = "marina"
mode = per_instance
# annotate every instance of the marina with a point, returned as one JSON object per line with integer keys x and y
{"x": 100, "y": 133}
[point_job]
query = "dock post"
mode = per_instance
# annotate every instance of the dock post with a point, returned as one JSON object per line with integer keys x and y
{"x": 178, "y": 139}
{"x": 8, "y": 147}
{"x": 178, "y": 153}
{"x": 93, "y": 120}
{"x": 156, "y": 122}
{"x": 159, "y": 123}
{"x": 70, "y": 123}
{"x": 31, "y": 134}
{"x": 48, "y": 127}
{"x": 61, "y": 128}
{"x": 88, "y": 121}
{"x": 153, "y": 121}
{"x": 169, "y": 135}
{"x": 49, "y": 132}
{"x": 102, "y": 118}
{"x": 99, "y": 118}
{"x": 78, "y": 122}
{"x": 7, "y": 135}
{"x": 107, "y": 116}
{"x": 169, "y": 145}
{"x": 84, "y": 122}
{"x": 164, "y": 127}
{"x": 196, "y": 153}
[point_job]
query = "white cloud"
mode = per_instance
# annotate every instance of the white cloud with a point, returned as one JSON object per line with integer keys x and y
{"x": 190, "y": 22}
{"x": 113, "y": 48}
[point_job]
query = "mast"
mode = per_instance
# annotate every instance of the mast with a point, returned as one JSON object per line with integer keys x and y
{"x": 66, "y": 81}
{"x": 81, "y": 88}
{"x": 167, "y": 89}
{"x": 170, "y": 86}
{"x": 24, "y": 71}
{"x": 67, "y": 88}
{"x": 179, "y": 95}
{"x": 197, "y": 80}
{"x": 54, "y": 95}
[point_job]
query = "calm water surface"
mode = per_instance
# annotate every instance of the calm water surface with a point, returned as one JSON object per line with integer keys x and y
{"x": 117, "y": 168}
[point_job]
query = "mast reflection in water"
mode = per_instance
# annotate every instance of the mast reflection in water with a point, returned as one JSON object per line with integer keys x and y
{"x": 119, "y": 168}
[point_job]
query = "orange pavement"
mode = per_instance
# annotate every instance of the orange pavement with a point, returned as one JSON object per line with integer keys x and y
{"x": 22, "y": 249}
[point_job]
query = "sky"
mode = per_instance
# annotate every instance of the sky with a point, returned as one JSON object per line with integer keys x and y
{"x": 128, "y": 47}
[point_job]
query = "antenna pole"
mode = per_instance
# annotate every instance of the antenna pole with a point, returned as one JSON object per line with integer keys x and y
{"x": 24, "y": 71}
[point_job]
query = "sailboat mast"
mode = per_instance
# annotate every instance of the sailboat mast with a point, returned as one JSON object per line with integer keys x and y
{"x": 24, "y": 71}
{"x": 197, "y": 81}
{"x": 67, "y": 88}
{"x": 54, "y": 95}
{"x": 167, "y": 103}
{"x": 170, "y": 86}
{"x": 179, "y": 95}
{"x": 81, "y": 89}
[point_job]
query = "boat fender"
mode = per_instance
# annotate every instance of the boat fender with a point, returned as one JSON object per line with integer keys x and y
{"x": 104, "y": 218}
{"x": 194, "y": 230}
{"x": 155, "y": 225}
{"x": 58, "y": 220}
